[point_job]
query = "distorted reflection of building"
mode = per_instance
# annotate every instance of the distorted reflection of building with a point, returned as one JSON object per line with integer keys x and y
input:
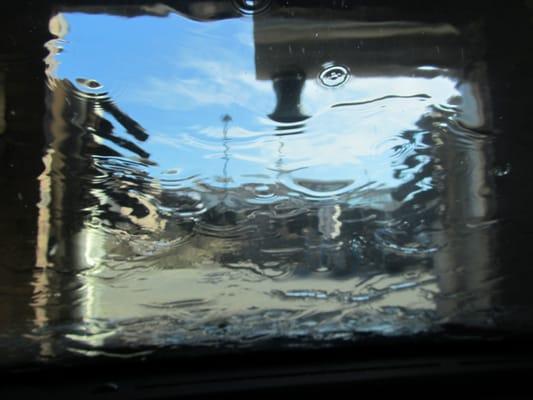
{"x": 333, "y": 236}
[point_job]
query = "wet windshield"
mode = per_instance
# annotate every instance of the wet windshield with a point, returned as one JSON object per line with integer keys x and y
{"x": 232, "y": 172}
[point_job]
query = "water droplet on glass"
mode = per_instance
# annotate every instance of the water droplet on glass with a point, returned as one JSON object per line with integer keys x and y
{"x": 108, "y": 387}
{"x": 502, "y": 170}
{"x": 89, "y": 83}
{"x": 334, "y": 76}
{"x": 252, "y": 7}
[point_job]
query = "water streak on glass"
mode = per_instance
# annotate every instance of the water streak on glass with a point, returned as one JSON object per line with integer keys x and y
{"x": 225, "y": 177}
